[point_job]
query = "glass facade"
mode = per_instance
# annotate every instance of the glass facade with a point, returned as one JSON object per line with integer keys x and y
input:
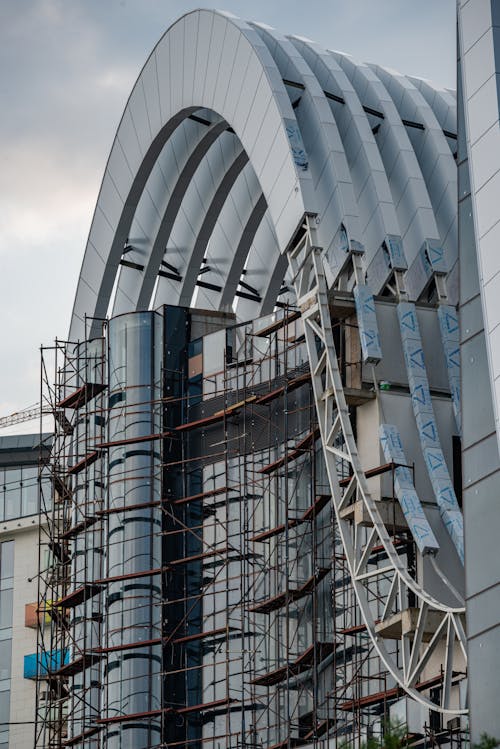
{"x": 6, "y": 605}
{"x": 18, "y": 492}
{"x": 132, "y": 608}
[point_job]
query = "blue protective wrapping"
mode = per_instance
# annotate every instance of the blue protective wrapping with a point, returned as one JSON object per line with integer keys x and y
{"x": 450, "y": 337}
{"x": 405, "y": 491}
{"x": 426, "y": 423}
{"x": 367, "y": 323}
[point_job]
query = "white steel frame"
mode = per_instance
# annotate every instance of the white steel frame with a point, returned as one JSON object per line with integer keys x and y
{"x": 306, "y": 263}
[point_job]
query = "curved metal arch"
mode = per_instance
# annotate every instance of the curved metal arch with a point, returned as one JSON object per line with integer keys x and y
{"x": 369, "y": 177}
{"x": 177, "y": 195}
{"x": 433, "y": 154}
{"x": 265, "y": 106}
{"x": 406, "y": 181}
{"x": 443, "y": 104}
{"x": 335, "y": 199}
{"x": 158, "y": 207}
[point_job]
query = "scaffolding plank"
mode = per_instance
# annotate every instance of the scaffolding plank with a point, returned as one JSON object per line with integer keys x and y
{"x": 128, "y": 646}
{"x": 393, "y": 693}
{"x": 205, "y": 422}
{"x": 87, "y": 522}
{"x": 311, "y": 583}
{"x": 200, "y": 636}
{"x": 319, "y": 503}
{"x": 271, "y": 677}
{"x": 232, "y": 410}
{"x": 201, "y": 495}
{"x": 82, "y": 736}
{"x": 293, "y": 594}
{"x": 265, "y": 535}
{"x": 134, "y": 440}
{"x": 84, "y": 462}
{"x": 294, "y": 453}
{"x": 81, "y": 594}
{"x": 127, "y": 508}
{"x": 205, "y": 706}
{"x": 198, "y": 557}
{"x": 131, "y": 576}
{"x": 274, "y": 603}
{"x": 303, "y": 662}
{"x": 83, "y": 395}
{"x": 316, "y": 652}
{"x": 77, "y": 666}
{"x": 290, "y": 386}
{"x": 371, "y": 472}
{"x": 133, "y": 716}
{"x": 273, "y": 327}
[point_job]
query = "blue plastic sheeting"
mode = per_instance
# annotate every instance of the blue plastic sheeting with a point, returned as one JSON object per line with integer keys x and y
{"x": 450, "y": 336}
{"x": 405, "y": 491}
{"x": 367, "y": 323}
{"x": 426, "y": 422}
{"x": 454, "y": 524}
{"x": 297, "y": 145}
{"x": 397, "y": 257}
{"x": 435, "y": 256}
{"x": 40, "y": 664}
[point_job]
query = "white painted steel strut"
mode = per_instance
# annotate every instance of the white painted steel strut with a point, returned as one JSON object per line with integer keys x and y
{"x": 435, "y": 628}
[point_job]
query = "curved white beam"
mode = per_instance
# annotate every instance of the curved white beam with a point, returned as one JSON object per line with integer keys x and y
{"x": 211, "y": 81}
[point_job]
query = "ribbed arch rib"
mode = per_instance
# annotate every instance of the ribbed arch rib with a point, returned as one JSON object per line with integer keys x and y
{"x": 178, "y": 80}
{"x": 433, "y": 154}
{"x": 408, "y": 188}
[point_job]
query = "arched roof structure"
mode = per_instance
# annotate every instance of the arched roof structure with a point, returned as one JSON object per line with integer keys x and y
{"x": 232, "y": 133}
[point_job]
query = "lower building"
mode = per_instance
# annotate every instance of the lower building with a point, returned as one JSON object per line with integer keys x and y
{"x": 19, "y": 565}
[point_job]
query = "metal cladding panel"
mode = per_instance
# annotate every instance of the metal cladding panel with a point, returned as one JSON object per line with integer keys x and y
{"x": 407, "y": 496}
{"x": 367, "y": 322}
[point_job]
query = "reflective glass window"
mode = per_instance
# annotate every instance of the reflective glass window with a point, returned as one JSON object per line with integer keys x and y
{"x": 6, "y": 603}
{"x": 5, "y": 660}
{"x": 29, "y": 490}
{"x": 12, "y": 493}
{"x": 6, "y": 564}
{"x": 4, "y": 710}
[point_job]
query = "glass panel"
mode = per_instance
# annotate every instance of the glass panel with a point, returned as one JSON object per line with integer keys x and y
{"x": 6, "y": 561}
{"x": 12, "y": 493}
{"x": 5, "y": 658}
{"x": 4, "y": 708}
{"x": 30, "y": 491}
{"x": 6, "y": 604}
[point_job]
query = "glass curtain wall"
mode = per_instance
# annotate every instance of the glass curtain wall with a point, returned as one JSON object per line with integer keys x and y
{"x": 133, "y": 598}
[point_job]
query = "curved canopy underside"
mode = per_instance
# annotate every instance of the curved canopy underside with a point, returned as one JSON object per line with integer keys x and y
{"x": 231, "y": 134}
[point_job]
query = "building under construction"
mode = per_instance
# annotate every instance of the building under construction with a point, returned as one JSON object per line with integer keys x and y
{"x": 254, "y": 520}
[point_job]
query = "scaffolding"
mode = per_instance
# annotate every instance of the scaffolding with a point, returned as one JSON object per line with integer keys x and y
{"x": 251, "y": 625}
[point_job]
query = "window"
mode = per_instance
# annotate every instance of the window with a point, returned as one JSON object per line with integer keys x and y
{"x": 12, "y": 493}
{"x": 6, "y": 603}
{"x": 6, "y": 564}
{"x": 5, "y": 659}
{"x": 29, "y": 490}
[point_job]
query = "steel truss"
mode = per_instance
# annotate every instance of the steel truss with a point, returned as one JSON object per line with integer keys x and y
{"x": 438, "y": 626}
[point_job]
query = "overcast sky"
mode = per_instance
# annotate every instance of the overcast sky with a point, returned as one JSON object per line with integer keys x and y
{"x": 66, "y": 69}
